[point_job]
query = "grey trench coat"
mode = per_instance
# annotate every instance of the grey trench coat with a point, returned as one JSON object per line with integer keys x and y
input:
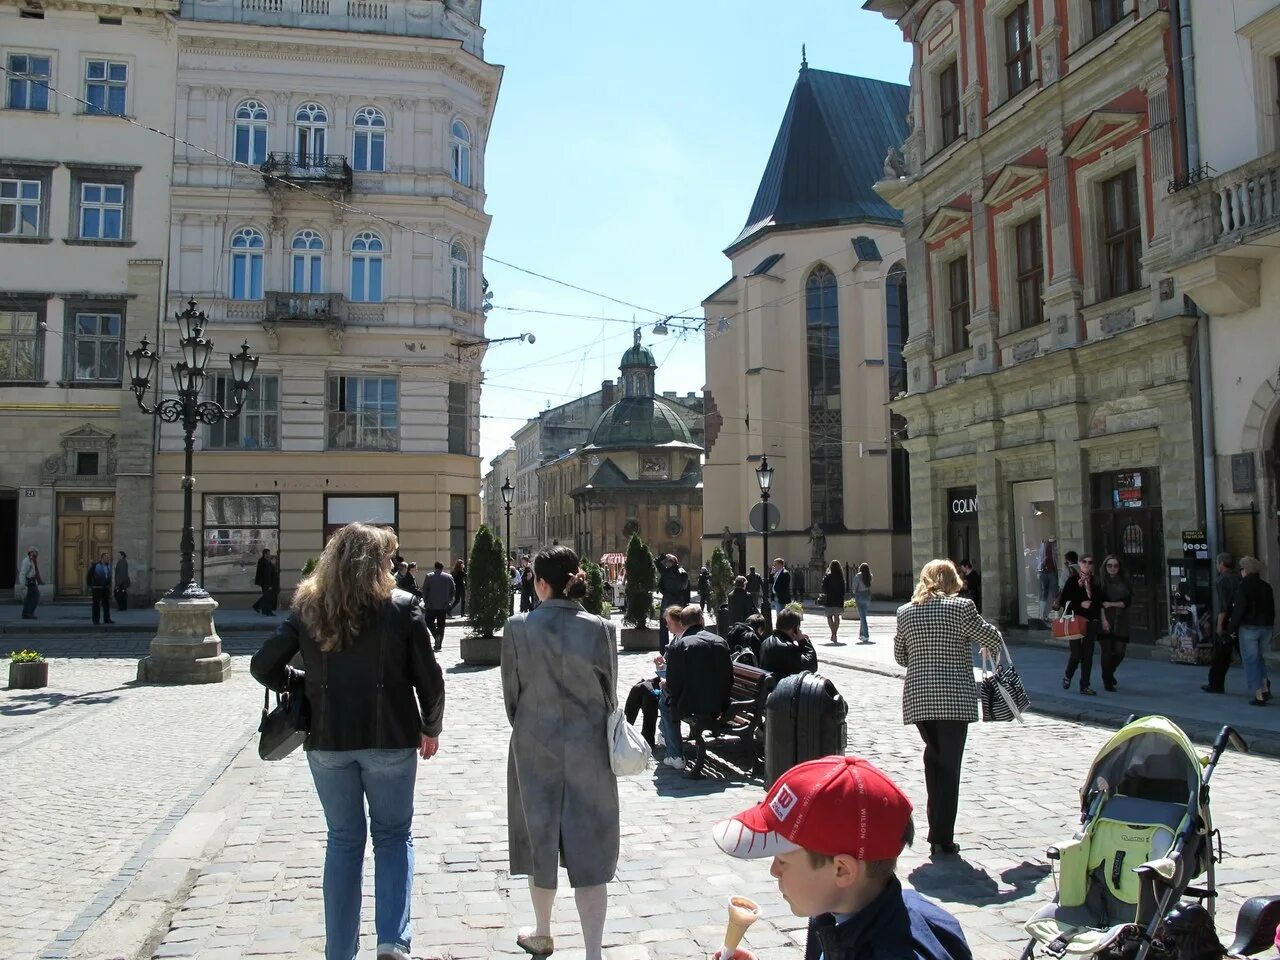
{"x": 559, "y": 681}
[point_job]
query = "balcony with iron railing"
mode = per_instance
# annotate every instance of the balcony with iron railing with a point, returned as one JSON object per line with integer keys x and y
{"x": 1223, "y": 226}
{"x": 327, "y": 170}
{"x": 411, "y": 18}
{"x": 304, "y": 308}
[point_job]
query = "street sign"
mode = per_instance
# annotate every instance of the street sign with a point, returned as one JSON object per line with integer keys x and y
{"x": 757, "y": 518}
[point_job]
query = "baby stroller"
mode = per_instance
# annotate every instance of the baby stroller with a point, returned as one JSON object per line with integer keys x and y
{"x": 1146, "y": 833}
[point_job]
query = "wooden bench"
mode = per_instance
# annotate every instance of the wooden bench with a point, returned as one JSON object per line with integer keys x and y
{"x": 740, "y": 724}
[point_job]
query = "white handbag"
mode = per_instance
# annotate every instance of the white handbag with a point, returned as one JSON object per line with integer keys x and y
{"x": 628, "y": 752}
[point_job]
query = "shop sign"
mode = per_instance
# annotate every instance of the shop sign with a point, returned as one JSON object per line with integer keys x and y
{"x": 1127, "y": 491}
{"x": 963, "y": 503}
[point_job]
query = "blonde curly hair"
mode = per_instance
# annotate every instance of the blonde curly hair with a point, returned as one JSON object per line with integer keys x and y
{"x": 352, "y": 578}
{"x": 939, "y": 578}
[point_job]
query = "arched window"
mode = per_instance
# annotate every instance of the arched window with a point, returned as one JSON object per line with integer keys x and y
{"x": 895, "y": 308}
{"x": 370, "y": 140}
{"x": 308, "y": 262}
{"x": 251, "y": 133}
{"x": 822, "y": 322}
{"x": 312, "y": 121}
{"x": 461, "y": 153}
{"x": 246, "y": 264}
{"x": 366, "y": 267}
{"x": 460, "y": 276}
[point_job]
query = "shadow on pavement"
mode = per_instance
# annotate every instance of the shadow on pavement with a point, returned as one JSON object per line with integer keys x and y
{"x": 28, "y": 704}
{"x": 470, "y": 668}
{"x": 957, "y": 880}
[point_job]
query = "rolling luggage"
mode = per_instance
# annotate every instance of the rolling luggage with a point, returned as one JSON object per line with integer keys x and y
{"x": 804, "y": 720}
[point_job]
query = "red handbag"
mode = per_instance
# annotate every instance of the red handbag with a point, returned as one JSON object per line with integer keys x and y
{"x": 1069, "y": 626}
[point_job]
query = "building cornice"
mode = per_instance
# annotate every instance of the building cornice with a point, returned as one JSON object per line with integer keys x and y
{"x": 113, "y": 8}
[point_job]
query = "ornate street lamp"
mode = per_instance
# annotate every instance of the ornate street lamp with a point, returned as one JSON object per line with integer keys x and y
{"x": 186, "y": 649}
{"x": 764, "y": 477}
{"x": 507, "y": 493}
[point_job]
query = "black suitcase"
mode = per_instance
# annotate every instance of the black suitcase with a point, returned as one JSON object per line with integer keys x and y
{"x": 804, "y": 720}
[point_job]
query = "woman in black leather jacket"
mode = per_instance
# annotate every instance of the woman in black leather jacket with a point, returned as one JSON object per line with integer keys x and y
{"x": 377, "y": 703}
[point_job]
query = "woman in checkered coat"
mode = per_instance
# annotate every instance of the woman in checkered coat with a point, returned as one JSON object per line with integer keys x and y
{"x": 935, "y": 638}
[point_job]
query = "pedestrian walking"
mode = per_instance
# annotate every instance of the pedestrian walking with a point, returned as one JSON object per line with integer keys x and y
{"x": 1224, "y": 644}
{"x": 98, "y": 580}
{"x": 405, "y": 579}
{"x": 934, "y": 641}
{"x": 862, "y": 596}
{"x": 704, "y": 588}
{"x": 781, "y": 578}
{"x": 29, "y": 575}
{"x": 673, "y": 585}
{"x": 437, "y": 597}
{"x": 377, "y": 704}
{"x": 528, "y": 596}
{"x": 972, "y": 583}
{"x": 755, "y": 586}
{"x": 267, "y": 579}
{"x": 459, "y": 587}
{"x": 833, "y": 590}
{"x": 1253, "y": 621}
{"x": 1117, "y": 594}
{"x": 741, "y": 601}
{"x": 559, "y": 677}
{"x": 122, "y": 582}
{"x": 1081, "y": 595}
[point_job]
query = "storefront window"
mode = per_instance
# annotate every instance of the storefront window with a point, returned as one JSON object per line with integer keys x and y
{"x": 962, "y": 525}
{"x": 379, "y": 511}
{"x": 237, "y": 528}
{"x": 1038, "y": 559}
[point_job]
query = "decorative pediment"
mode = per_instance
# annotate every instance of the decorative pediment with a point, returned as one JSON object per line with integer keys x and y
{"x": 946, "y": 220}
{"x": 70, "y": 468}
{"x": 1013, "y": 180}
{"x": 1102, "y": 126}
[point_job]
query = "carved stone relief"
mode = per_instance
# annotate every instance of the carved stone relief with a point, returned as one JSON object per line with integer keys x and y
{"x": 1118, "y": 321}
{"x": 63, "y": 468}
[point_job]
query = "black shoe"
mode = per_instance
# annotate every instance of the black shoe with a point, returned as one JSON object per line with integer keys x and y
{"x": 1089, "y": 691}
{"x": 1208, "y": 689}
{"x": 1109, "y": 687}
{"x": 108, "y": 621}
{"x": 437, "y": 649}
{"x": 1066, "y": 683}
{"x": 1255, "y": 702}
{"x": 943, "y": 849}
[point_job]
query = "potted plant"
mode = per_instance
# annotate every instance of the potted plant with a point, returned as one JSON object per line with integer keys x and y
{"x": 487, "y": 600}
{"x": 850, "y": 611}
{"x": 27, "y": 670}
{"x": 594, "y": 601}
{"x": 796, "y": 606}
{"x": 641, "y": 578}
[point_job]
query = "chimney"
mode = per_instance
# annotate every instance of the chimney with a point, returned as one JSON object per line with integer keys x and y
{"x": 606, "y": 395}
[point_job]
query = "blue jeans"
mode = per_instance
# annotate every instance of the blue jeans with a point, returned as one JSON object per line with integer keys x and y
{"x": 670, "y": 725}
{"x": 1253, "y": 641}
{"x": 344, "y": 779}
{"x": 864, "y": 629}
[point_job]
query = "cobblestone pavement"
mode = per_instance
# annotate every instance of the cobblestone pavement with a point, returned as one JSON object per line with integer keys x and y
{"x": 136, "y": 825}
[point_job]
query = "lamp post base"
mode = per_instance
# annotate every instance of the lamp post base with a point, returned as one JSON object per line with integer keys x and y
{"x": 186, "y": 647}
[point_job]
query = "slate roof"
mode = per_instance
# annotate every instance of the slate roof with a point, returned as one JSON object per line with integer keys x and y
{"x": 639, "y": 422}
{"x": 829, "y": 152}
{"x": 608, "y": 476}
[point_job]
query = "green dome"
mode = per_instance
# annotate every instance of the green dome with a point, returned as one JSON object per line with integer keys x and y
{"x": 639, "y": 422}
{"x": 638, "y": 356}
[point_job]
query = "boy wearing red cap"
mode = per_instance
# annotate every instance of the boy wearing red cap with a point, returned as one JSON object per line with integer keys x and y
{"x": 835, "y": 828}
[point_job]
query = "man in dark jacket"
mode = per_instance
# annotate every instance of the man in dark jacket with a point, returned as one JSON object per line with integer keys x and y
{"x": 972, "y": 583}
{"x": 1253, "y": 621}
{"x": 98, "y": 580}
{"x": 704, "y": 588}
{"x": 787, "y": 650}
{"x": 698, "y": 682}
{"x": 781, "y": 584}
{"x": 1224, "y": 644}
{"x": 267, "y": 578}
{"x": 673, "y": 584}
{"x": 742, "y": 602}
{"x": 437, "y": 597}
{"x": 755, "y": 585}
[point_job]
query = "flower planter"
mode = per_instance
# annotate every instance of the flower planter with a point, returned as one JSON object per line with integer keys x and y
{"x": 28, "y": 676}
{"x": 849, "y": 613}
{"x": 633, "y": 639}
{"x": 481, "y": 651}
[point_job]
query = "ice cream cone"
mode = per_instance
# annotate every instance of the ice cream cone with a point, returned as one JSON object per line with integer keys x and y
{"x": 742, "y": 914}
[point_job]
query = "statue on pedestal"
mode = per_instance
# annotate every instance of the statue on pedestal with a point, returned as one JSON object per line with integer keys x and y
{"x": 729, "y": 544}
{"x": 817, "y": 558}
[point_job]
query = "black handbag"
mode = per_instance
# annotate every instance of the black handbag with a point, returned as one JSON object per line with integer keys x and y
{"x": 1001, "y": 693}
{"x": 283, "y": 729}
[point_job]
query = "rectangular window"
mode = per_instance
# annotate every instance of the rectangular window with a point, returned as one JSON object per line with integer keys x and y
{"x": 246, "y": 275}
{"x": 86, "y": 464}
{"x": 95, "y": 347}
{"x": 366, "y": 278}
{"x": 458, "y": 545}
{"x": 958, "y": 303}
{"x": 1017, "y": 40}
{"x": 29, "y": 79}
{"x": 20, "y": 343}
{"x": 102, "y": 211}
{"x": 1106, "y": 14}
{"x": 458, "y": 425}
{"x": 949, "y": 103}
{"x": 237, "y": 528}
{"x": 20, "y": 208}
{"x": 1122, "y": 235}
{"x": 339, "y": 510}
{"x": 1030, "y": 273}
{"x": 105, "y": 85}
{"x": 363, "y": 413}
{"x": 257, "y": 427}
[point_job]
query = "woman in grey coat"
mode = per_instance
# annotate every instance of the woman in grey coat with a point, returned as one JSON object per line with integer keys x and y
{"x": 559, "y": 681}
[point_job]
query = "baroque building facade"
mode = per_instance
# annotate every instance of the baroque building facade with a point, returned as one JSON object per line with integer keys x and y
{"x": 83, "y": 210}
{"x": 344, "y": 243}
{"x": 1049, "y": 389}
{"x": 804, "y": 345}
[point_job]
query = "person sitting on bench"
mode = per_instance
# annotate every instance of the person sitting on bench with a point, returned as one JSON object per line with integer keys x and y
{"x": 787, "y": 650}
{"x": 699, "y": 680}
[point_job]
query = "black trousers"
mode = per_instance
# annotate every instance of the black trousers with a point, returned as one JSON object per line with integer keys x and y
{"x": 642, "y": 700}
{"x": 1224, "y": 648}
{"x": 101, "y": 597}
{"x": 1082, "y": 654}
{"x": 267, "y": 602}
{"x": 122, "y": 598}
{"x": 460, "y": 601}
{"x": 943, "y": 754}
{"x": 435, "y": 623}
{"x": 1113, "y": 651}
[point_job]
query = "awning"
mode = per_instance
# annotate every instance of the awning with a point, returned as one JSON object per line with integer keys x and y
{"x": 614, "y": 558}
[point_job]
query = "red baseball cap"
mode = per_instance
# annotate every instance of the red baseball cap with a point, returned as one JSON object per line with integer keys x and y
{"x": 835, "y": 805}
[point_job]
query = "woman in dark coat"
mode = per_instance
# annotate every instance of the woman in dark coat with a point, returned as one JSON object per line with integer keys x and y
{"x": 833, "y": 587}
{"x": 377, "y": 705}
{"x": 935, "y": 638}
{"x": 1081, "y": 596}
{"x": 1117, "y": 594}
{"x": 460, "y": 588}
{"x": 559, "y": 681}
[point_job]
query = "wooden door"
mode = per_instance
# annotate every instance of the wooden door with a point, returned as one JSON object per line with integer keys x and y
{"x": 80, "y": 540}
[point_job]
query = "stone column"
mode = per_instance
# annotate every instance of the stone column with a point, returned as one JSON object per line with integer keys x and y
{"x": 1062, "y": 296}
{"x": 928, "y": 535}
{"x": 993, "y": 536}
{"x": 1180, "y": 495}
{"x": 1071, "y": 478}
{"x": 917, "y": 352}
{"x": 984, "y": 320}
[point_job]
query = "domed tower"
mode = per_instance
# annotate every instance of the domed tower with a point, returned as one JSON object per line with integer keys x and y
{"x": 638, "y": 368}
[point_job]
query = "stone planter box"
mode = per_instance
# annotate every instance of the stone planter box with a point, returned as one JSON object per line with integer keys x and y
{"x": 28, "y": 676}
{"x": 633, "y": 639}
{"x": 849, "y": 613}
{"x": 481, "y": 651}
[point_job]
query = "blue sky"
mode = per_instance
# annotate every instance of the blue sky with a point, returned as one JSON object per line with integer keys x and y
{"x": 627, "y": 147}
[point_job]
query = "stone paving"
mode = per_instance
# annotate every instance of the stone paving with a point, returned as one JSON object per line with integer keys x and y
{"x": 138, "y": 822}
